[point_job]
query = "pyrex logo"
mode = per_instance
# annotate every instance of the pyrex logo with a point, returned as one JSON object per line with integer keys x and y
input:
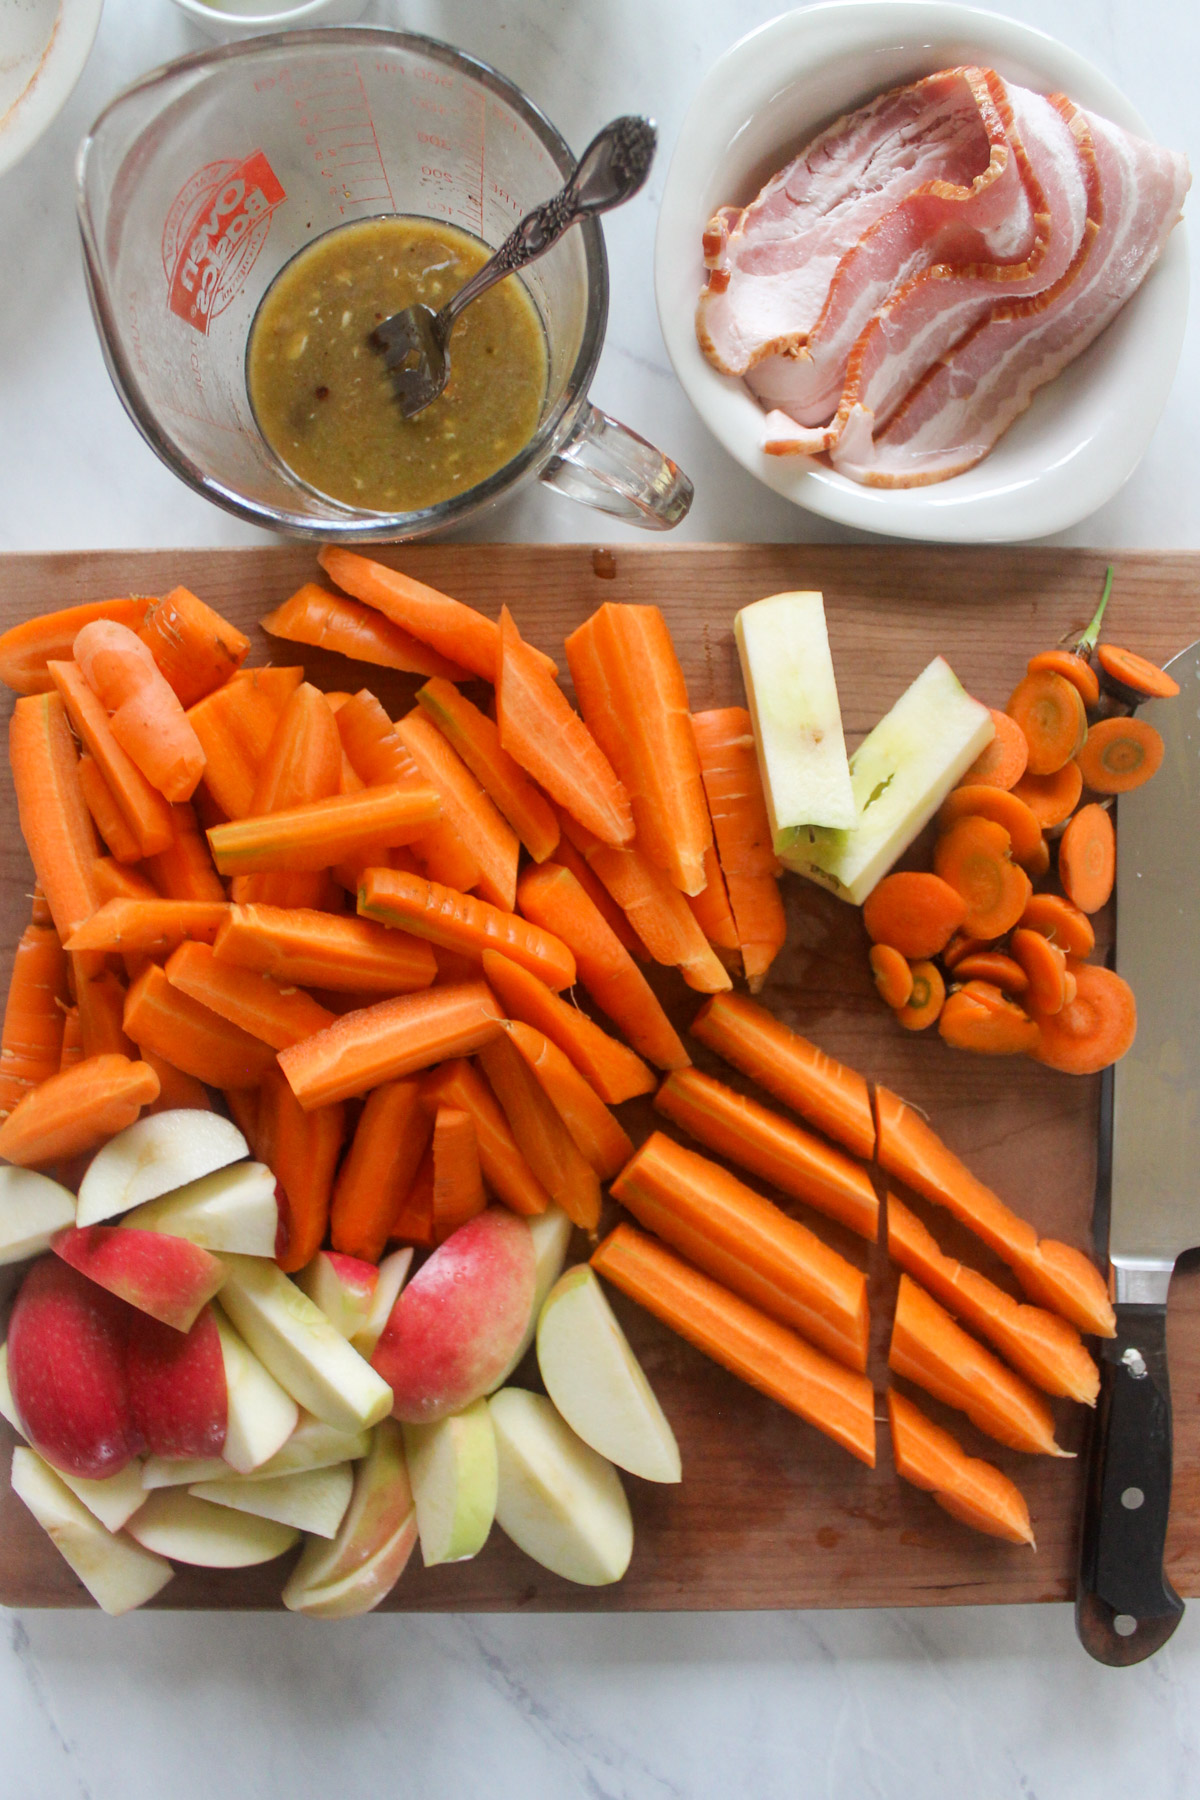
{"x": 214, "y": 232}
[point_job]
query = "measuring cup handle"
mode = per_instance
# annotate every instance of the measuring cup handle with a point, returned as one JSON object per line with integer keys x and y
{"x": 605, "y": 465}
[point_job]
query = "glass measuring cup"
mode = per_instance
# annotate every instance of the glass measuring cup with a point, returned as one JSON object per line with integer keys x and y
{"x": 199, "y": 182}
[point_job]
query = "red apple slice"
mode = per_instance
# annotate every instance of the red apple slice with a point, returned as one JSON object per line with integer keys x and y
{"x": 177, "y": 1386}
{"x": 164, "y": 1276}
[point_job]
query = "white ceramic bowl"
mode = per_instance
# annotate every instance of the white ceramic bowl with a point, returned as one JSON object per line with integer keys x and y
{"x": 1085, "y": 432}
{"x": 247, "y": 18}
{"x": 43, "y": 47}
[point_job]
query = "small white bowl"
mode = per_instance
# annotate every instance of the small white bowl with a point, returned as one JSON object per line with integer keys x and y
{"x": 1085, "y": 432}
{"x": 246, "y": 18}
{"x": 43, "y": 47}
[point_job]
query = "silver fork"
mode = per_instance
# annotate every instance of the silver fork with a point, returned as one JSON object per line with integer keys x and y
{"x": 415, "y": 342}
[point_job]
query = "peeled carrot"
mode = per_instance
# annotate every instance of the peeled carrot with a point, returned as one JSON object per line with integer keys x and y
{"x": 1044, "y": 967}
{"x": 733, "y": 785}
{"x": 914, "y": 912}
{"x": 314, "y": 616}
{"x": 1053, "y": 1274}
{"x": 195, "y": 648}
{"x": 145, "y": 715}
{"x": 389, "y": 1040}
{"x": 838, "y": 1401}
{"x": 55, "y": 821}
{"x": 278, "y": 1015}
{"x": 603, "y": 1140}
{"x": 994, "y": 966}
{"x": 1050, "y": 712}
{"x": 31, "y": 1042}
{"x": 568, "y": 856}
{"x": 1052, "y": 798}
{"x": 315, "y": 949}
{"x": 476, "y": 739}
{"x": 301, "y": 1150}
{"x": 192, "y": 1036}
{"x": 1092, "y": 1029}
{"x": 27, "y": 649}
{"x": 1129, "y": 675}
{"x": 302, "y": 764}
{"x": 551, "y": 897}
{"x": 107, "y": 816}
{"x": 1073, "y": 668}
{"x": 461, "y": 923}
{"x": 242, "y": 1107}
{"x": 979, "y": 1017}
{"x": 714, "y": 915}
{"x": 177, "y": 1092}
{"x": 184, "y": 870}
{"x": 145, "y": 812}
{"x": 458, "y": 1194}
{"x": 1120, "y": 754}
{"x": 155, "y": 926}
{"x": 822, "y": 1090}
{"x": 961, "y": 946}
{"x": 413, "y": 1223}
{"x": 323, "y": 832}
{"x": 1061, "y": 922}
{"x": 101, "y": 996}
{"x": 541, "y": 730}
{"x": 389, "y": 1141}
{"x": 1002, "y": 764}
{"x": 235, "y": 725}
{"x": 614, "y": 1071}
{"x": 1044, "y": 1348}
{"x": 891, "y": 974}
{"x": 72, "y": 1047}
{"x": 505, "y": 1170}
{"x": 929, "y": 1348}
{"x": 790, "y": 1158}
{"x": 969, "y": 1489}
{"x": 76, "y": 1110}
{"x": 121, "y": 881}
{"x": 541, "y": 1134}
{"x": 479, "y": 823}
{"x": 973, "y": 856}
{"x": 1009, "y": 810}
{"x": 1087, "y": 859}
{"x": 1038, "y": 863}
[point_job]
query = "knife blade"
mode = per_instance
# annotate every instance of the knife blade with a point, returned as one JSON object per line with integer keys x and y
{"x": 1125, "y": 1606}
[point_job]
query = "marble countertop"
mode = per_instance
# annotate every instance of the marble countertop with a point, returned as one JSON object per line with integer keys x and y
{"x": 998, "y": 1702}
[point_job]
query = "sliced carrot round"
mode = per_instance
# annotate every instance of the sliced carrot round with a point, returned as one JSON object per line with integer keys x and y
{"x": 973, "y": 856}
{"x": 1038, "y": 864}
{"x": 1131, "y": 675}
{"x": 979, "y": 1017}
{"x": 1075, "y": 669}
{"x": 1045, "y": 968}
{"x": 1002, "y": 764}
{"x": 1094, "y": 1029}
{"x": 1061, "y": 922}
{"x": 891, "y": 974}
{"x": 1052, "y": 798}
{"x": 926, "y": 1000}
{"x": 993, "y": 966}
{"x": 1087, "y": 858}
{"x": 961, "y": 945}
{"x": 1023, "y": 828}
{"x": 1120, "y": 754}
{"x": 915, "y": 912}
{"x": 1050, "y": 712}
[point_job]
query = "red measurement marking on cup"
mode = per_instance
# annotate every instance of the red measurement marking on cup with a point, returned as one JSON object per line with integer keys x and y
{"x": 333, "y": 113}
{"x": 217, "y": 225}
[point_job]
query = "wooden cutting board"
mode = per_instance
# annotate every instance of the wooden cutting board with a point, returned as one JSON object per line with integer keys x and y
{"x": 769, "y": 1513}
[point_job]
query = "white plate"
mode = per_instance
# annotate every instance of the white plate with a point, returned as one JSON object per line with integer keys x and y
{"x": 1085, "y": 432}
{"x": 43, "y": 47}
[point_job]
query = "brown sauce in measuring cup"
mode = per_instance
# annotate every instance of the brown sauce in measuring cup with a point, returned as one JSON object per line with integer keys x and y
{"x": 322, "y": 395}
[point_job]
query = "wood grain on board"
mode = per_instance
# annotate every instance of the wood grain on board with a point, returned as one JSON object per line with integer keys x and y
{"x": 769, "y": 1513}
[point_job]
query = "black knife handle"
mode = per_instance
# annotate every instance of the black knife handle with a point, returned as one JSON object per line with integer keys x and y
{"x": 1125, "y": 1607}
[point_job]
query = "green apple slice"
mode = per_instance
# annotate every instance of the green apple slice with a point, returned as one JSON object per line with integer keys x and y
{"x": 234, "y": 1209}
{"x": 261, "y": 1416}
{"x": 174, "y": 1523}
{"x": 157, "y": 1153}
{"x": 32, "y": 1209}
{"x": 559, "y": 1500}
{"x": 453, "y": 1469}
{"x": 364, "y": 1561}
{"x": 314, "y": 1500}
{"x": 362, "y": 1590}
{"x": 118, "y": 1573}
{"x": 114, "y": 1500}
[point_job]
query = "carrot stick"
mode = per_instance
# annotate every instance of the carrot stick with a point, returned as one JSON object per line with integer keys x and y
{"x": 301, "y": 1150}
{"x": 614, "y": 1071}
{"x": 177, "y": 1092}
{"x": 748, "y": 1343}
{"x": 1023, "y": 827}
{"x": 242, "y": 1107}
{"x": 790, "y": 1158}
{"x": 72, "y": 1046}
{"x": 1003, "y": 762}
{"x": 385, "y": 1152}
{"x": 184, "y": 870}
{"x": 913, "y": 912}
{"x": 155, "y": 926}
{"x": 969, "y": 1489}
{"x": 278, "y": 1015}
{"x": 567, "y": 856}
{"x": 100, "y": 996}
{"x": 303, "y": 763}
{"x": 926, "y": 998}
{"x": 413, "y": 1223}
{"x": 31, "y": 1041}
{"x": 27, "y": 649}
{"x": 1053, "y": 1274}
{"x": 1093, "y": 1028}
{"x": 315, "y": 949}
{"x": 192, "y": 1036}
{"x": 195, "y": 648}
{"x": 546, "y": 736}
{"x": 974, "y": 856}
{"x": 1120, "y": 754}
{"x": 389, "y": 1040}
{"x": 76, "y": 1110}
{"x": 55, "y": 821}
{"x": 1044, "y": 1348}
{"x": 322, "y": 832}
{"x": 1087, "y": 859}
{"x": 551, "y": 897}
{"x": 1129, "y": 675}
{"x": 458, "y": 1194}
{"x": 1043, "y": 967}
{"x": 542, "y": 1137}
{"x": 312, "y": 615}
{"x": 891, "y": 974}
{"x": 144, "y": 711}
{"x": 1050, "y": 711}
{"x": 489, "y": 836}
{"x": 476, "y": 739}
{"x": 505, "y": 1170}
{"x": 1061, "y": 922}
{"x": 107, "y": 816}
{"x": 929, "y": 1348}
{"x": 995, "y": 967}
{"x": 823, "y": 1091}
{"x": 463, "y": 924}
{"x": 733, "y": 783}
{"x": 979, "y": 1017}
{"x": 1052, "y": 798}
{"x": 144, "y": 810}
{"x": 120, "y": 881}
{"x": 600, "y": 1136}
{"x": 235, "y": 725}
{"x": 711, "y": 907}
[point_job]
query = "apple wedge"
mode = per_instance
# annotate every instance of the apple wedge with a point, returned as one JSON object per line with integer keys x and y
{"x": 393, "y": 1273}
{"x": 118, "y": 1573}
{"x": 234, "y": 1209}
{"x": 551, "y": 1233}
{"x": 559, "y": 1500}
{"x": 260, "y": 1416}
{"x": 452, "y": 1467}
{"x": 343, "y": 1287}
{"x": 182, "y": 1471}
{"x": 314, "y": 1501}
{"x": 166, "y": 1277}
{"x": 364, "y": 1590}
{"x": 32, "y": 1209}
{"x": 114, "y": 1500}
{"x": 174, "y": 1523}
{"x": 365, "y": 1560}
{"x": 153, "y": 1156}
{"x": 598, "y": 1384}
{"x": 314, "y": 1445}
{"x": 177, "y": 1386}
{"x": 299, "y": 1346}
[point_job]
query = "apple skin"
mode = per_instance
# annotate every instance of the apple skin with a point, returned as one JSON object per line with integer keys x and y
{"x": 177, "y": 1386}
{"x": 66, "y": 1365}
{"x": 377, "y": 1536}
{"x": 454, "y": 1329}
{"x": 164, "y": 1276}
{"x": 343, "y": 1287}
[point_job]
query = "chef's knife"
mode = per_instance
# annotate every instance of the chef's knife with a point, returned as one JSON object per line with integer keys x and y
{"x": 1125, "y": 1606}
